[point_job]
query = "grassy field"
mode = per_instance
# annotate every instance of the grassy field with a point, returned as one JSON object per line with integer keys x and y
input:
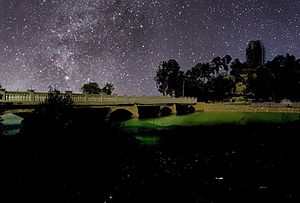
{"x": 12, "y": 124}
{"x": 146, "y": 130}
{"x": 207, "y": 119}
{"x": 200, "y": 157}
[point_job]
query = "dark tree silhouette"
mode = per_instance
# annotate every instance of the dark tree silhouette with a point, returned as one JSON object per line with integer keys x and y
{"x": 1, "y": 124}
{"x": 274, "y": 81}
{"x": 277, "y": 79}
{"x": 91, "y": 88}
{"x": 220, "y": 88}
{"x": 237, "y": 69}
{"x": 193, "y": 83}
{"x": 203, "y": 72}
{"x": 54, "y": 114}
{"x": 195, "y": 80}
{"x": 169, "y": 78}
{"x": 226, "y": 60}
{"x": 61, "y": 146}
{"x": 255, "y": 54}
{"x": 1, "y": 120}
{"x": 0, "y": 90}
{"x": 216, "y": 64}
{"x": 55, "y": 98}
{"x": 108, "y": 88}
{"x": 204, "y": 81}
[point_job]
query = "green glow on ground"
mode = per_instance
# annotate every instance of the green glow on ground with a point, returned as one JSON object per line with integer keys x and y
{"x": 12, "y": 124}
{"x": 211, "y": 118}
{"x": 146, "y": 128}
{"x": 148, "y": 140}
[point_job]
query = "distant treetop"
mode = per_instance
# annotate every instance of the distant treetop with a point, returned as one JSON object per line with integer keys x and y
{"x": 93, "y": 88}
{"x": 255, "y": 54}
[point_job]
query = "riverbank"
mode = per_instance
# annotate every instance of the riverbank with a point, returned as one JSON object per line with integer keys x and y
{"x": 73, "y": 156}
{"x": 263, "y": 107}
{"x": 11, "y": 123}
{"x": 148, "y": 130}
{"x": 223, "y": 163}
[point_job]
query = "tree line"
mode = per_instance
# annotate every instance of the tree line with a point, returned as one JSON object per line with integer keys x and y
{"x": 93, "y": 88}
{"x": 225, "y": 79}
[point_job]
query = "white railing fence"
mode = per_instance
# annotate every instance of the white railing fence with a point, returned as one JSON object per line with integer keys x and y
{"x": 32, "y": 97}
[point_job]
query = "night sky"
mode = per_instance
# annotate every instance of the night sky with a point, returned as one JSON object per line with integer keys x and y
{"x": 66, "y": 43}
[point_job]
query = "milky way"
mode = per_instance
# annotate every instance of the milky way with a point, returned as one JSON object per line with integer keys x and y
{"x": 65, "y": 43}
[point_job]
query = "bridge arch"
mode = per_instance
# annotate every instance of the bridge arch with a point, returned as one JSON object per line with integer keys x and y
{"x": 138, "y": 105}
{"x": 123, "y": 112}
{"x": 166, "y": 111}
{"x": 120, "y": 114}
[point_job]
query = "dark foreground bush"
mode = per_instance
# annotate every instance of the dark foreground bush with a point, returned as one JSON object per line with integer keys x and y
{"x": 229, "y": 163}
{"x": 82, "y": 162}
{"x": 64, "y": 154}
{"x": 92, "y": 161}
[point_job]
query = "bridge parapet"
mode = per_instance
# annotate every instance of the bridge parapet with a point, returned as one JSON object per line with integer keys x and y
{"x": 14, "y": 96}
{"x": 32, "y": 97}
{"x": 2, "y": 94}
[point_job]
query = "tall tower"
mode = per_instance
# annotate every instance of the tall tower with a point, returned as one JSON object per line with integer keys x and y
{"x": 255, "y": 54}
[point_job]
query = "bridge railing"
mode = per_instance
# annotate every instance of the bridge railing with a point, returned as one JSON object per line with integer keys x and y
{"x": 14, "y": 96}
{"x": 32, "y": 97}
{"x": 78, "y": 98}
{"x": 40, "y": 97}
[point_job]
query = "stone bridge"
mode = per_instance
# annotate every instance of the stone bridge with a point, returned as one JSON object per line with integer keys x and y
{"x": 25, "y": 101}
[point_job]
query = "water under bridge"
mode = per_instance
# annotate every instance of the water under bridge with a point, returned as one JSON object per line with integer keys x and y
{"x": 25, "y": 101}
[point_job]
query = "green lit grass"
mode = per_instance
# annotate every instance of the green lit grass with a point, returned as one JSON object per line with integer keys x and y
{"x": 209, "y": 119}
{"x": 12, "y": 124}
{"x": 146, "y": 129}
{"x": 148, "y": 140}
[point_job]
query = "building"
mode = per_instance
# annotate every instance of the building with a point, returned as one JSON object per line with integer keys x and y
{"x": 255, "y": 54}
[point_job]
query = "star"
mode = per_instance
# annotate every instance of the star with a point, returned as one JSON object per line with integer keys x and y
{"x": 68, "y": 43}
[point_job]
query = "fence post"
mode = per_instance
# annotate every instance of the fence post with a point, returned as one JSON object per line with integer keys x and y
{"x": 85, "y": 98}
{"x": 32, "y": 99}
{"x": 2, "y": 94}
{"x": 173, "y": 107}
{"x": 135, "y": 112}
{"x": 69, "y": 93}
